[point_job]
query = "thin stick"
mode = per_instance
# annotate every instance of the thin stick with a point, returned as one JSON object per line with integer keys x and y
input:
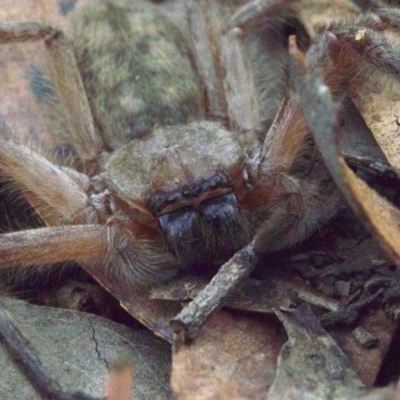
{"x": 189, "y": 321}
{"x": 18, "y": 349}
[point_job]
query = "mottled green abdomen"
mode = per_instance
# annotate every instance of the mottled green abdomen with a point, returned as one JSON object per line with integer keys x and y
{"x": 136, "y": 68}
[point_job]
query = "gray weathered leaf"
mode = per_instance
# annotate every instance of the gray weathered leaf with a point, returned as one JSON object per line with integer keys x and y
{"x": 77, "y": 348}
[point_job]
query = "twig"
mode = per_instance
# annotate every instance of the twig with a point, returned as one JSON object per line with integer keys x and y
{"x": 189, "y": 321}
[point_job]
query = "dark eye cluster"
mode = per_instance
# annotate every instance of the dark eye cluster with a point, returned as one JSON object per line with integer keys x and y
{"x": 184, "y": 195}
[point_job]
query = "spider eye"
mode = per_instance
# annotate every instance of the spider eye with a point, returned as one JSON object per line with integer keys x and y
{"x": 190, "y": 195}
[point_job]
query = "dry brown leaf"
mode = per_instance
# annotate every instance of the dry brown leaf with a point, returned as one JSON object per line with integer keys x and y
{"x": 233, "y": 357}
{"x": 380, "y": 217}
{"x": 377, "y": 99}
